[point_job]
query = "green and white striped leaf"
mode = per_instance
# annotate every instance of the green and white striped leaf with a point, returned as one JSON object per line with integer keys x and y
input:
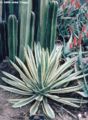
{"x": 16, "y": 84}
{"x": 14, "y": 90}
{"x": 61, "y": 100}
{"x": 66, "y": 89}
{"x": 48, "y": 110}
{"x": 34, "y": 108}
{"x": 22, "y": 102}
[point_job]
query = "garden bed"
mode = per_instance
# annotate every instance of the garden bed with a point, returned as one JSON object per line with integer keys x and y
{"x": 8, "y": 113}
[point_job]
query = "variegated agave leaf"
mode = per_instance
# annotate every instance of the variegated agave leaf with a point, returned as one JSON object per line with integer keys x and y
{"x": 43, "y": 78}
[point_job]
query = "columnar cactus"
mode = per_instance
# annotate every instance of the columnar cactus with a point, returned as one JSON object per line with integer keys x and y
{"x": 3, "y": 40}
{"x": 39, "y": 26}
{"x": 42, "y": 21}
{"x": 25, "y": 19}
{"x": 51, "y": 25}
{"x": 8, "y": 9}
{"x": 12, "y": 36}
{"x": 32, "y": 26}
{"x": 46, "y": 20}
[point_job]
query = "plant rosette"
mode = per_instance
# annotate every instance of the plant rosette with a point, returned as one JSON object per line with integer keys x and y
{"x": 43, "y": 78}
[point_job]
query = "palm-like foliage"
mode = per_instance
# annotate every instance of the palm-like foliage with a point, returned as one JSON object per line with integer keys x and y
{"x": 43, "y": 78}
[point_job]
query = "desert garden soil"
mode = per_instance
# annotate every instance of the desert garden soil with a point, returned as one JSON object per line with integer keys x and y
{"x": 8, "y": 113}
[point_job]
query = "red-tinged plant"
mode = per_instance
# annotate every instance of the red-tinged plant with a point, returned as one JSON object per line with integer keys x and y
{"x": 75, "y": 41}
{"x": 64, "y": 5}
{"x": 71, "y": 45}
{"x": 80, "y": 39}
{"x": 73, "y": 20}
{"x": 86, "y": 15}
{"x": 87, "y": 34}
{"x": 72, "y": 2}
{"x": 77, "y": 4}
{"x": 84, "y": 28}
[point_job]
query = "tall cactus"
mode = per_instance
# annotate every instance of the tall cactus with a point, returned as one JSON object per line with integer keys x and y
{"x": 25, "y": 18}
{"x": 46, "y": 20}
{"x": 51, "y": 25}
{"x": 32, "y": 26}
{"x": 1, "y": 43}
{"x": 7, "y": 9}
{"x": 42, "y": 21}
{"x": 39, "y": 25}
{"x": 12, "y": 36}
{"x": 3, "y": 40}
{"x": 11, "y": 7}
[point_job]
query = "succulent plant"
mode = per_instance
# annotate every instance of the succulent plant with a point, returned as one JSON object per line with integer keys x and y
{"x": 3, "y": 41}
{"x": 43, "y": 77}
{"x": 72, "y": 17}
{"x": 12, "y": 36}
{"x": 25, "y": 11}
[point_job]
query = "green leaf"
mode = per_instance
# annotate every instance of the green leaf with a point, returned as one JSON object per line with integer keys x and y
{"x": 30, "y": 64}
{"x": 70, "y": 78}
{"x": 67, "y": 47}
{"x": 40, "y": 82}
{"x": 12, "y": 77}
{"x": 27, "y": 81}
{"x": 14, "y": 90}
{"x": 21, "y": 102}
{"x": 43, "y": 65}
{"x": 34, "y": 108}
{"x": 16, "y": 84}
{"x": 48, "y": 110}
{"x": 66, "y": 89}
{"x": 32, "y": 60}
{"x": 62, "y": 68}
{"x": 37, "y": 50}
{"x": 24, "y": 68}
{"x": 61, "y": 100}
{"x": 39, "y": 98}
{"x": 83, "y": 94}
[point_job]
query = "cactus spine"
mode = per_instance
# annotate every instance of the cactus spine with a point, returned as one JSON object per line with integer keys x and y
{"x": 12, "y": 36}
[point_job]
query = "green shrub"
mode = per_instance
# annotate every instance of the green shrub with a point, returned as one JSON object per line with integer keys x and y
{"x": 43, "y": 77}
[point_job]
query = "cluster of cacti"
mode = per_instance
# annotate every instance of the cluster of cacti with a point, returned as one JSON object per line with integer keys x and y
{"x": 46, "y": 20}
{"x": 32, "y": 25}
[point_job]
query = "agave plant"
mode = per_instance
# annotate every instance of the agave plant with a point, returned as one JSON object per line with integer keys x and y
{"x": 43, "y": 78}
